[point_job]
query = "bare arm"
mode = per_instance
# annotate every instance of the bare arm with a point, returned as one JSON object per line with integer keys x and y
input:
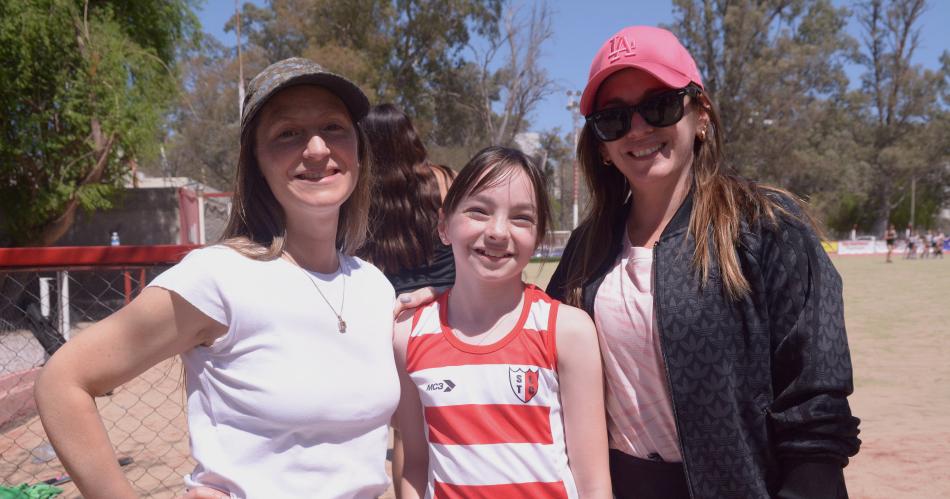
{"x": 582, "y": 396}
{"x": 154, "y": 326}
{"x": 409, "y": 421}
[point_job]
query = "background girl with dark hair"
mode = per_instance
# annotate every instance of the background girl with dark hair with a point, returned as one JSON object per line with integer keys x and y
{"x": 407, "y": 194}
{"x": 719, "y": 314}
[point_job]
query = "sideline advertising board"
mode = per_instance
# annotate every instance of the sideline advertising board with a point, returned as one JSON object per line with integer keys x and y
{"x": 858, "y": 247}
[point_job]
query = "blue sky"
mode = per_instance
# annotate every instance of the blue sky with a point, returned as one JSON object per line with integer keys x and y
{"x": 580, "y": 27}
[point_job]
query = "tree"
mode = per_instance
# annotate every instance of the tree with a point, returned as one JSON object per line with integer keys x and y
{"x": 281, "y": 29}
{"x": 204, "y": 127}
{"x": 900, "y": 107}
{"x": 84, "y": 89}
{"x": 558, "y": 166}
{"x": 776, "y": 70}
{"x": 415, "y": 53}
{"x": 402, "y": 51}
{"x": 521, "y": 82}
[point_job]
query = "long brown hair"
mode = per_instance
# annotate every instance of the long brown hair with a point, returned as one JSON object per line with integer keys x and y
{"x": 722, "y": 201}
{"x": 257, "y": 226}
{"x": 406, "y": 197}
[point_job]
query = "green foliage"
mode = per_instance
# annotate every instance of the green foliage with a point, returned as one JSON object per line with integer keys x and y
{"x": 776, "y": 70}
{"x": 205, "y": 122}
{"x": 559, "y": 171}
{"x": 413, "y": 53}
{"x": 403, "y": 51}
{"x": 902, "y": 134}
{"x": 926, "y": 208}
{"x": 771, "y": 66}
{"x": 84, "y": 90}
{"x": 774, "y": 67}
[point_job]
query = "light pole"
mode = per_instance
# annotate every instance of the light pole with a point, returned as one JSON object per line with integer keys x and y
{"x": 573, "y": 105}
{"x": 237, "y": 13}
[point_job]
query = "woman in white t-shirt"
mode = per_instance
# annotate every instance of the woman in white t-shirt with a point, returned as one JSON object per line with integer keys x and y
{"x": 285, "y": 336}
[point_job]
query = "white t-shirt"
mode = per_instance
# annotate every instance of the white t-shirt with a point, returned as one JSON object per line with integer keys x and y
{"x": 283, "y": 405}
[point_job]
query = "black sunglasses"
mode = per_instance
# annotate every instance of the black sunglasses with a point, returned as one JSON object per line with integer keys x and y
{"x": 661, "y": 110}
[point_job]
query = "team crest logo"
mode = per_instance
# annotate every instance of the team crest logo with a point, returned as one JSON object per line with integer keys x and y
{"x": 524, "y": 382}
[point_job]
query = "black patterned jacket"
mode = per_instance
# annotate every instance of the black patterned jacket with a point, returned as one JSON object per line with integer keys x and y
{"x": 759, "y": 385}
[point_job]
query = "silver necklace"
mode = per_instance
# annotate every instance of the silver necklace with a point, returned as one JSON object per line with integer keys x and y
{"x": 341, "y": 324}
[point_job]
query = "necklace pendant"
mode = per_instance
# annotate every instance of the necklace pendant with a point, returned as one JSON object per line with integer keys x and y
{"x": 342, "y": 325}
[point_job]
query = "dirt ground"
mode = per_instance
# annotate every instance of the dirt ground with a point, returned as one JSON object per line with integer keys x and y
{"x": 898, "y": 318}
{"x": 146, "y": 422}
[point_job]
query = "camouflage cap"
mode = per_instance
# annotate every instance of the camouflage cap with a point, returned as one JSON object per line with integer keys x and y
{"x": 299, "y": 71}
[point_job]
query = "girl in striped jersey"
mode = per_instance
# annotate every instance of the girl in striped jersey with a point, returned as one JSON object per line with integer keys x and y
{"x": 502, "y": 388}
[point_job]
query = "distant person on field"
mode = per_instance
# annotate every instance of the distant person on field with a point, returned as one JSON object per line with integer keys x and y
{"x": 890, "y": 237}
{"x": 910, "y": 252}
{"x": 939, "y": 241}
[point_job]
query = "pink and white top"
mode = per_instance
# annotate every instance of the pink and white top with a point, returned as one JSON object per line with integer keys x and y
{"x": 492, "y": 412}
{"x": 639, "y": 408}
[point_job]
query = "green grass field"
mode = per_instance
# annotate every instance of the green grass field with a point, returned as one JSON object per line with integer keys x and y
{"x": 898, "y": 320}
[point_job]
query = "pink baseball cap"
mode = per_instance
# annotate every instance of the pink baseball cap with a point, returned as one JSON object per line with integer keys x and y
{"x": 654, "y": 50}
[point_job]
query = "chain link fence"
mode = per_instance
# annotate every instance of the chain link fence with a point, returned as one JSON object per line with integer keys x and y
{"x": 43, "y": 304}
{"x": 217, "y": 208}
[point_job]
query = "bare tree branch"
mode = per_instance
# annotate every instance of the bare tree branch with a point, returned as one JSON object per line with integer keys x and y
{"x": 521, "y": 82}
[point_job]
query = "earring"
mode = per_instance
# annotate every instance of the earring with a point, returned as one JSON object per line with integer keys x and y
{"x": 702, "y": 135}
{"x": 608, "y": 162}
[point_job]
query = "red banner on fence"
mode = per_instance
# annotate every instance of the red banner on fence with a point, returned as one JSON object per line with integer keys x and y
{"x": 67, "y": 256}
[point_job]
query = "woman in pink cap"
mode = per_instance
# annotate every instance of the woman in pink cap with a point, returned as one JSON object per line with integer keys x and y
{"x": 719, "y": 315}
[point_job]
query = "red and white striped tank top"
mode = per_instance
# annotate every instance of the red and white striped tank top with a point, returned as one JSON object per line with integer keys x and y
{"x": 492, "y": 412}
